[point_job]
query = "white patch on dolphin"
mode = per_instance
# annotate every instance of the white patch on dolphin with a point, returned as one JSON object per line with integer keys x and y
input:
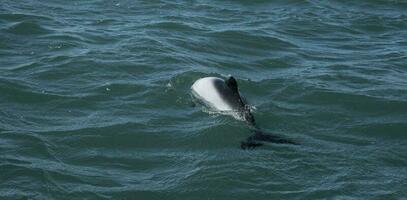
{"x": 205, "y": 90}
{"x": 216, "y": 94}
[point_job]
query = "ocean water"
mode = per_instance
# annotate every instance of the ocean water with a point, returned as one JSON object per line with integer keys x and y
{"x": 95, "y": 99}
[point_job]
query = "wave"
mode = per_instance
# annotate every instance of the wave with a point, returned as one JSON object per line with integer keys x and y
{"x": 175, "y": 26}
{"x": 18, "y": 17}
{"x": 28, "y": 28}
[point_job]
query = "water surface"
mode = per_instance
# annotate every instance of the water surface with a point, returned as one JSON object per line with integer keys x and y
{"x": 95, "y": 99}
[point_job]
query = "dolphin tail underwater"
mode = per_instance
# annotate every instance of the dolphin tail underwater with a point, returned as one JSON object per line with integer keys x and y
{"x": 225, "y": 96}
{"x": 251, "y": 141}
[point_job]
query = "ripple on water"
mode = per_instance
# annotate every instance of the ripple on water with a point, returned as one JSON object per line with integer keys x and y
{"x": 18, "y": 17}
{"x": 28, "y": 28}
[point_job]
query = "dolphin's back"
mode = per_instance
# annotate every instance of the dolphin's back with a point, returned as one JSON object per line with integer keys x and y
{"x": 215, "y": 92}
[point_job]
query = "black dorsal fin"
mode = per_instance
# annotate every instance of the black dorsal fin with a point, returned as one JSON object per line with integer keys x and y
{"x": 232, "y": 84}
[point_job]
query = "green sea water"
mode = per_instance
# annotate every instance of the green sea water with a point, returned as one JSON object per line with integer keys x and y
{"x": 95, "y": 99}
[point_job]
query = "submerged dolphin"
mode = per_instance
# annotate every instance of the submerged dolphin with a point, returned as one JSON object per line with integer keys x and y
{"x": 224, "y": 96}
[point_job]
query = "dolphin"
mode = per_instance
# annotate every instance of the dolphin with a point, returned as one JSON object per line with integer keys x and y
{"x": 224, "y": 96}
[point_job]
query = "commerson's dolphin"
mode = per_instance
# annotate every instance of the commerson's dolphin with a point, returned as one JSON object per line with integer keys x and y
{"x": 224, "y": 96}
